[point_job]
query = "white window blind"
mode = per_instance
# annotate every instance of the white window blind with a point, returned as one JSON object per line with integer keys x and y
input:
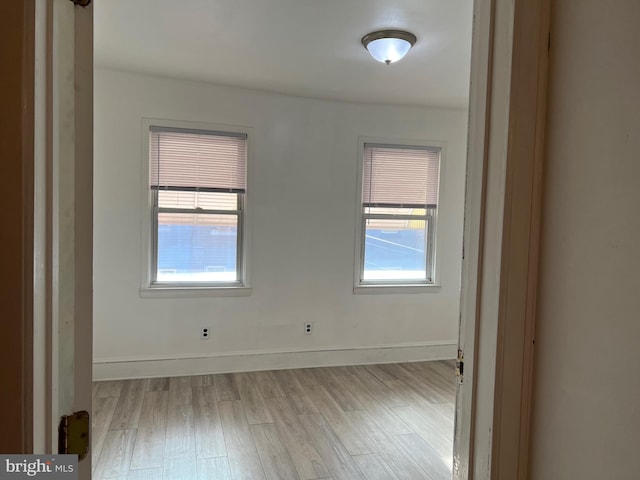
{"x": 397, "y": 176}
{"x": 186, "y": 159}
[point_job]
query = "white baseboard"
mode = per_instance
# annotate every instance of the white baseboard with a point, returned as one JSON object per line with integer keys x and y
{"x": 149, "y": 367}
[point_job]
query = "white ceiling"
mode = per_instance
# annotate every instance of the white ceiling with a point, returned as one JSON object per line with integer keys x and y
{"x": 298, "y": 47}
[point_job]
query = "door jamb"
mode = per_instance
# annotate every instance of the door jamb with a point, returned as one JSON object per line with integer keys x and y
{"x": 503, "y": 221}
{"x": 63, "y": 217}
{"x": 515, "y": 122}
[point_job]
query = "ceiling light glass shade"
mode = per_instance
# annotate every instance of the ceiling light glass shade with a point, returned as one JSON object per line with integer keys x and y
{"x": 388, "y": 46}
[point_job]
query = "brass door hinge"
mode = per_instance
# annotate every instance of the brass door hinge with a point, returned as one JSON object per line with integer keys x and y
{"x": 82, "y": 3}
{"x": 73, "y": 434}
{"x": 460, "y": 366}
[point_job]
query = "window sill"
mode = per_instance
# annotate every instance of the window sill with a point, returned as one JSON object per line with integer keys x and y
{"x": 192, "y": 292}
{"x": 402, "y": 289}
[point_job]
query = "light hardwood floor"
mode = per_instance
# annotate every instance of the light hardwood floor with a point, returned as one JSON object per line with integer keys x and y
{"x": 342, "y": 423}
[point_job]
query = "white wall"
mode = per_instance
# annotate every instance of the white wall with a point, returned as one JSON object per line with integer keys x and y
{"x": 304, "y": 176}
{"x": 586, "y": 415}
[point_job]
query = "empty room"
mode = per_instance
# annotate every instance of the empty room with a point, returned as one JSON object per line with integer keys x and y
{"x": 279, "y": 195}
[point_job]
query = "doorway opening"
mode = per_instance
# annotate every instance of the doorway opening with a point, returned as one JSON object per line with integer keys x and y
{"x": 510, "y": 45}
{"x": 375, "y": 376}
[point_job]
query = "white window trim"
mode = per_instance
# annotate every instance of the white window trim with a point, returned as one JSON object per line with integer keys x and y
{"x": 147, "y": 288}
{"x": 396, "y": 287}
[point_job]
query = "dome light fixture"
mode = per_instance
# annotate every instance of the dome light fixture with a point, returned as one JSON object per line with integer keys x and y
{"x": 388, "y": 46}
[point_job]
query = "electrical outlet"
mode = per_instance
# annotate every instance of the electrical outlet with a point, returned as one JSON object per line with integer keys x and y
{"x": 204, "y": 333}
{"x": 307, "y": 328}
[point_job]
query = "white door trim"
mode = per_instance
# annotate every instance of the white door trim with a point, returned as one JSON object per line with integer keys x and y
{"x": 507, "y": 115}
{"x": 63, "y": 226}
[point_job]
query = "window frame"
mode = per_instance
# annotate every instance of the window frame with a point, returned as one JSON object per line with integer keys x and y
{"x": 432, "y": 283}
{"x": 149, "y": 221}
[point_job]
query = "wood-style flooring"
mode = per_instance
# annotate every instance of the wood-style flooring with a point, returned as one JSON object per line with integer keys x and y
{"x": 372, "y": 422}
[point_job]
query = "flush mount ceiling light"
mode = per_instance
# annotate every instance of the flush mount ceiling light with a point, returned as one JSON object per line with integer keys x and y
{"x": 388, "y": 46}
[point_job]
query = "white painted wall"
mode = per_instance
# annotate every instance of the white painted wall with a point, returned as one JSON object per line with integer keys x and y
{"x": 586, "y": 413}
{"x": 304, "y": 177}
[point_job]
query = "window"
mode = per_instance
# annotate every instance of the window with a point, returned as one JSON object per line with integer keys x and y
{"x": 197, "y": 185}
{"x": 399, "y": 203}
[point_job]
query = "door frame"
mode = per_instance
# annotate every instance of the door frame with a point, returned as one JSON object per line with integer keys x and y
{"x": 501, "y": 237}
{"x": 57, "y": 302}
{"x": 502, "y": 214}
